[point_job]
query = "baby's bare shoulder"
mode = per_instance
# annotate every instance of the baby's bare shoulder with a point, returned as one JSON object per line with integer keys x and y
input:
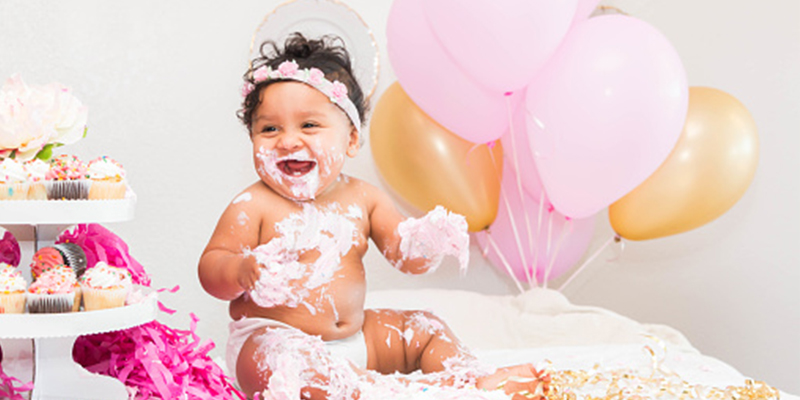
{"x": 253, "y": 195}
{"x": 370, "y": 194}
{"x": 355, "y": 185}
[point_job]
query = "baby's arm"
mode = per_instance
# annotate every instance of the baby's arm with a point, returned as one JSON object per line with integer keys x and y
{"x": 417, "y": 245}
{"x": 224, "y": 271}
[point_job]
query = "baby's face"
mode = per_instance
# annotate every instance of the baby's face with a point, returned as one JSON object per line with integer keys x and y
{"x": 300, "y": 140}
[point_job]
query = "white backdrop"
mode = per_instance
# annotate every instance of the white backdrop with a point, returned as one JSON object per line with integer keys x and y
{"x": 162, "y": 80}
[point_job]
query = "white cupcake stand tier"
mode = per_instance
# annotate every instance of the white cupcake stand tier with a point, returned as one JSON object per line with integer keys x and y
{"x": 55, "y": 374}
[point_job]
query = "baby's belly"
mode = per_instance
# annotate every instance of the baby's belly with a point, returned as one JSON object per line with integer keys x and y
{"x": 334, "y": 310}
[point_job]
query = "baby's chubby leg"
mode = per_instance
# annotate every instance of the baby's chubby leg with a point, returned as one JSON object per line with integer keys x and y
{"x": 293, "y": 365}
{"x": 406, "y": 341}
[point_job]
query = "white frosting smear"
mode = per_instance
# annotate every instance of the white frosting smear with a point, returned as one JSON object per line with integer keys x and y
{"x": 437, "y": 234}
{"x": 298, "y": 361}
{"x": 246, "y": 196}
{"x": 322, "y": 229}
{"x": 301, "y": 187}
{"x": 242, "y": 218}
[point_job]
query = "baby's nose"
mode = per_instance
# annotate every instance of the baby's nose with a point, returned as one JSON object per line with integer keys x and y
{"x": 290, "y": 141}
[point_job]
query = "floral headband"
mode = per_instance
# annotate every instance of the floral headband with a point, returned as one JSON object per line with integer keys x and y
{"x": 336, "y": 91}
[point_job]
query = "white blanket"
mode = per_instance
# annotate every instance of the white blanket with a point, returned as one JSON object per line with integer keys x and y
{"x": 542, "y": 325}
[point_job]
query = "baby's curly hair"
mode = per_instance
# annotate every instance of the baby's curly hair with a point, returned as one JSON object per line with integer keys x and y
{"x": 327, "y": 53}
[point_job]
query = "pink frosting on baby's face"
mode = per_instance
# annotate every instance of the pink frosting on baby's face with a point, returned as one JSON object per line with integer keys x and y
{"x": 57, "y": 280}
{"x": 300, "y": 140}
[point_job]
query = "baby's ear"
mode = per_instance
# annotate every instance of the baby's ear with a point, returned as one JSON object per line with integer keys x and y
{"x": 354, "y": 143}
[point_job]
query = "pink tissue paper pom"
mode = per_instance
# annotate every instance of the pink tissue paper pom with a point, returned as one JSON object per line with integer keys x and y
{"x": 100, "y": 244}
{"x": 12, "y": 388}
{"x": 156, "y": 361}
{"x": 9, "y": 249}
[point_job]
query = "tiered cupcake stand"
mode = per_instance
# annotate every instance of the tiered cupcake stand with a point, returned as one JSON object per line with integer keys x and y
{"x": 55, "y": 374}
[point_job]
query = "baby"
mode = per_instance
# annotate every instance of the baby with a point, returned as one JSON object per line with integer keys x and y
{"x": 287, "y": 252}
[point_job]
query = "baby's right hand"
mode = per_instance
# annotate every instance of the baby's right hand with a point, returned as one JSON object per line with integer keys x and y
{"x": 249, "y": 272}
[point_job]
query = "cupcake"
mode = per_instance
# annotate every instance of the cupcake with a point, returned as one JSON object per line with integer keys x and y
{"x": 13, "y": 180}
{"x": 105, "y": 286}
{"x": 37, "y": 170}
{"x": 68, "y": 254}
{"x": 66, "y": 179}
{"x": 107, "y": 177}
{"x": 53, "y": 292}
{"x": 12, "y": 290}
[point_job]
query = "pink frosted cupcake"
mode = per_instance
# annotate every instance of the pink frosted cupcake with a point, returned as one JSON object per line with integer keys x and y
{"x": 68, "y": 254}
{"x": 67, "y": 179}
{"x": 54, "y": 291}
{"x": 107, "y": 177}
{"x": 37, "y": 170}
{"x": 12, "y": 290}
{"x": 105, "y": 286}
{"x": 13, "y": 180}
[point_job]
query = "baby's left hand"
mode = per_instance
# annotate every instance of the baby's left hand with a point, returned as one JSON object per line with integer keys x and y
{"x": 437, "y": 234}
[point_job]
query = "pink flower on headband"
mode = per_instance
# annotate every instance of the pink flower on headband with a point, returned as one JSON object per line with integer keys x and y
{"x": 261, "y": 74}
{"x": 339, "y": 91}
{"x": 247, "y": 88}
{"x": 288, "y": 68}
{"x": 315, "y": 76}
{"x": 335, "y": 91}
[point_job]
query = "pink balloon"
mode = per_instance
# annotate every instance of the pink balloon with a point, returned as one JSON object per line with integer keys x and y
{"x": 516, "y": 143}
{"x": 436, "y": 84}
{"x": 605, "y": 112}
{"x": 577, "y": 235}
{"x": 502, "y": 43}
{"x": 585, "y": 9}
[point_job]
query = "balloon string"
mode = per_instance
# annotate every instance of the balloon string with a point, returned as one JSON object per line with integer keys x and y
{"x": 505, "y": 263}
{"x": 538, "y": 230}
{"x": 515, "y": 157}
{"x": 549, "y": 231}
{"x": 471, "y": 149}
{"x": 618, "y": 239}
{"x": 588, "y": 261}
{"x": 511, "y": 218}
{"x": 485, "y": 250}
{"x": 566, "y": 229}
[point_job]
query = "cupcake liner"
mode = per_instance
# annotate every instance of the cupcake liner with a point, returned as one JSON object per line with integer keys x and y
{"x": 68, "y": 189}
{"x": 76, "y": 305}
{"x": 107, "y": 190}
{"x": 50, "y": 303}
{"x": 74, "y": 257}
{"x": 12, "y": 303}
{"x": 101, "y": 299}
{"x": 14, "y": 190}
{"x": 37, "y": 191}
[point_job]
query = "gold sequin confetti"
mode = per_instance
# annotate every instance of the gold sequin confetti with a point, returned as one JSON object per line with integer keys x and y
{"x": 659, "y": 383}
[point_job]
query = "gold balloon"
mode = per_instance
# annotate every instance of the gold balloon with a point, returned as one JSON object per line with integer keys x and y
{"x": 427, "y": 165}
{"x": 707, "y": 172}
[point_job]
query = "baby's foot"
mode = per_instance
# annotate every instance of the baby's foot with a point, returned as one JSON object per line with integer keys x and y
{"x": 523, "y": 381}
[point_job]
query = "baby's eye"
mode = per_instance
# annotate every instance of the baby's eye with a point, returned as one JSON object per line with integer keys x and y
{"x": 308, "y": 125}
{"x": 269, "y": 129}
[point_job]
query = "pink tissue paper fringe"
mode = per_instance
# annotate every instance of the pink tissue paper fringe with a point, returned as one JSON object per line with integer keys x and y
{"x": 100, "y": 244}
{"x": 12, "y": 388}
{"x": 9, "y": 249}
{"x": 156, "y": 361}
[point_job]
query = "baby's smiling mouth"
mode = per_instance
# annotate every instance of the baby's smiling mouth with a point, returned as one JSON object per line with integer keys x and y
{"x": 296, "y": 168}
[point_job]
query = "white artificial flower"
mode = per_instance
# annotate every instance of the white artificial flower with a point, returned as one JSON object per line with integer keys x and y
{"x": 32, "y": 117}
{"x": 68, "y": 113}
